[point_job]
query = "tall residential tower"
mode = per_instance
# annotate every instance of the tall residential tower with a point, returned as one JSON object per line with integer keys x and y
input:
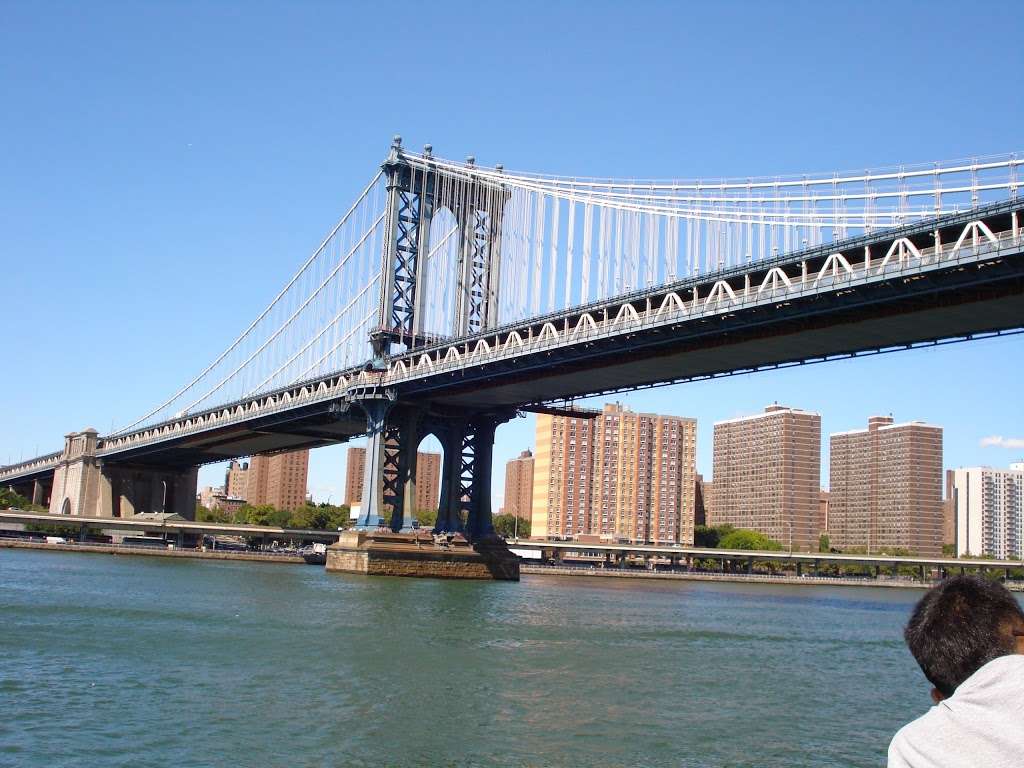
{"x": 767, "y": 475}
{"x": 886, "y": 488}
{"x": 619, "y": 475}
{"x": 278, "y": 479}
{"x": 518, "y": 499}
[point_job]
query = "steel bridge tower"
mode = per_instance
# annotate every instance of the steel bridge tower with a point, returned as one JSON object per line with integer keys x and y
{"x": 395, "y": 429}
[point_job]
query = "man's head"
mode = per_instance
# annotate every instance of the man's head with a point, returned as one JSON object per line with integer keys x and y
{"x": 959, "y": 626}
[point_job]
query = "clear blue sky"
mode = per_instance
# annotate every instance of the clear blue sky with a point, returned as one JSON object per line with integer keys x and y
{"x": 166, "y": 167}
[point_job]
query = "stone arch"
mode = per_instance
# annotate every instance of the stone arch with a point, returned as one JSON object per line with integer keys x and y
{"x": 65, "y": 508}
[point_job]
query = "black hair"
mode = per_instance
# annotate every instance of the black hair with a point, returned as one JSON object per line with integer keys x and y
{"x": 960, "y": 625}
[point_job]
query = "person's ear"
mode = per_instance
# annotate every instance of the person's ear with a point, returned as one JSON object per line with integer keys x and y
{"x": 1018, "y": 638}
{"x": 937, "y": 695}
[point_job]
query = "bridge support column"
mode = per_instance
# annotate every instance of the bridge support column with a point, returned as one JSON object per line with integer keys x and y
{"x": 37, "y": 494}
{"x": 449, "y": 510}
{"x": 479, "y": 523}
{"x": 372, "y": 510}
{"x": 403, "y": 514}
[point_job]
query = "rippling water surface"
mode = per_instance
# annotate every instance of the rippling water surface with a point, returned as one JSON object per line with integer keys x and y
{"x": 135, "y": 661}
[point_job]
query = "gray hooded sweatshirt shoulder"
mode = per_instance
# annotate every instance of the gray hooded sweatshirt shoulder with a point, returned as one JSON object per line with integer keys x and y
{"x": 981, "y": 724}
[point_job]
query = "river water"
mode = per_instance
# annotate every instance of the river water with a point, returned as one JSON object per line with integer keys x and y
{"x": 138, "y": 661}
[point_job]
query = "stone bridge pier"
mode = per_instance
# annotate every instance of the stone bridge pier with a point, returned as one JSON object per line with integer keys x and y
{"x": 87, "y": 486}
{"x": 386, "y": 539}
{"x": 37, "y": 492}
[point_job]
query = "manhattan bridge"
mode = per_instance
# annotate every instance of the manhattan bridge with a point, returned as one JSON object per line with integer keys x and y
{"x": 451, "y": 296}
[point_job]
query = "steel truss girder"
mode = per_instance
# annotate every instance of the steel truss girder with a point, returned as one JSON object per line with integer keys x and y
{"x": 467, "y": 461}
{"x": 406, "y": 259}
{"x": 391, "y": 471}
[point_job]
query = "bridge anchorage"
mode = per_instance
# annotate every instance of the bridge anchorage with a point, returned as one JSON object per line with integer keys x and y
{"x": 452, "y": 296}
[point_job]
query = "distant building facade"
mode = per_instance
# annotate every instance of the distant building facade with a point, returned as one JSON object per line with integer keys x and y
{"x": 355, "y": 467}
{"x": 214, "y": 498}
{"x": 989, "y": 507}
{"x": 823, "y": 508}
{"x": 886, "y": 488}
{"x": 949, "y": 512}
{"x": 518, "y": 499}
{"x": 620, "y": 476}
{"x": 428, "y": 478}
{"x": 703, "y": 492}
{"x": 767, "y": 475}
{"x": 236, "y": 480}
{"x": 563, "y": 476}
{"x": 278, "y": 479}
{"x": 209, "y": 495}
{"x": 644, "y": 476}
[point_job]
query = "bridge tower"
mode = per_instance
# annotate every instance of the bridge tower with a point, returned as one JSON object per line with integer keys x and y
{"x": 415, "y": 194}
{"x": 416, "y": 191}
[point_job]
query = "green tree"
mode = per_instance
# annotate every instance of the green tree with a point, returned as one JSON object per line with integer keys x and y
{"x": 205, "y": 515}
{"x": 11, "y": 500}
{"x": 69, "y": 532}
{"x": 340, "y": 517}
{"x": 309, "y": 517}
{"x": 505, "y": 525}
{"x": 949, "y": 550}
{"x": 748, "y": 540}
{"x": 824, "y": 544}
{"x": 262, "y": 514}
{"x": 427, "y": 518}
{"x": 709, "y": 537}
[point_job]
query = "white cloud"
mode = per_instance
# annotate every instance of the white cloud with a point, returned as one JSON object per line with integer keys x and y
{"x": 1001, "y": 442}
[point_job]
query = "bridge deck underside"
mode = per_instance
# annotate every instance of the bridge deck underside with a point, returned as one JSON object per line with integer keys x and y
{"x": 310, "y": 427}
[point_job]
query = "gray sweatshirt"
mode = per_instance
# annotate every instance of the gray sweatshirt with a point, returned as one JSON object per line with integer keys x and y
{"x": 981, "y": 724}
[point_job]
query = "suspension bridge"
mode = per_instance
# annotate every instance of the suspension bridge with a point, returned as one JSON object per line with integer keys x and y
{"x": 451, "y": 296}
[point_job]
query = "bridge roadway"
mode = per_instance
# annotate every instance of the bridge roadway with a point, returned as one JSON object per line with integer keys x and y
{"x": 951, "y": 278}
{"x": 173, "y": 527}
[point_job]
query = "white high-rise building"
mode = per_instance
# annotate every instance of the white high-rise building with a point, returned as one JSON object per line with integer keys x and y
{"x": 989, "y": 506}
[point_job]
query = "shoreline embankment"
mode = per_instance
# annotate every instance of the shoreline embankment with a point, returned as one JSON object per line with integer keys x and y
{"x": 195, "y": 554}
{"x": 525, "y": 568}
{"x": 736, "y": 578}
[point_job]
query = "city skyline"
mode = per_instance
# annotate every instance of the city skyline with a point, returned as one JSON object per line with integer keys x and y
{"x": 333, "y": 459}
